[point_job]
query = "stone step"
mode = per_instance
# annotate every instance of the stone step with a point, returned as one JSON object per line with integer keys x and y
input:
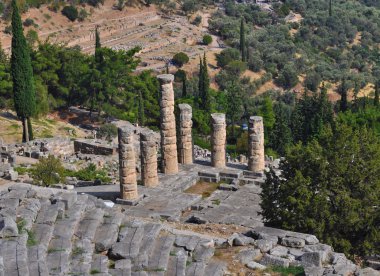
{"x": 119, "y": 272}
{"x": 99, "y": 264}
{"x": 129, "y": 245}
{"x": 81, "y": 256}
{"x": 28, "y": 210}
{"x": 159, "y": 257}
{"x": 177, "y": 262}
{"x": 151, "y": 231}
{"x": 89, "y": 223}
{"x": 36, "y": 260}
{"x": 195, "y": 269}
{"x": 15, "y": 255}
{"x": 107, "y": 233}
{"x": 58, "y": 256}
{"x": 215, "y": 268}
{"x": 203, "y": 251}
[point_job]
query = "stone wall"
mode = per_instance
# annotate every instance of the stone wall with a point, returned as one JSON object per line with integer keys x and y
{"x": 92, "y": 147}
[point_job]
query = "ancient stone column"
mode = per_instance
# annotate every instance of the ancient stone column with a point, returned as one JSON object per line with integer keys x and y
{"x": 218, "y": 140}
{"x": 127, "y": 165}
{"x": 185, "y": 138}
{"x": 256, "y": 157}
{"x": 169, "y": 159}
{"x": 149, "y": 176}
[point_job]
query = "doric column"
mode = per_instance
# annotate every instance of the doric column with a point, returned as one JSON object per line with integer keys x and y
{"x": 149, "y": 176}
{"x": 127, "y": 165}
{"x": 218, "y": 140}
{"x": 256, "y": 157}
{"x": 169, "y": 159}
{"x": 185, "y": 138}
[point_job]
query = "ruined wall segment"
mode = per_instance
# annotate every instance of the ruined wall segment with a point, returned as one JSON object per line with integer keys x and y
{"x": 169, "y": 159}
{"x": 256, "y": 157}
{"x": 218, "y": 140}
{"x": 149, "y": 176}
{"x": 127, "y": 164}
{"x": 185, "y": 137}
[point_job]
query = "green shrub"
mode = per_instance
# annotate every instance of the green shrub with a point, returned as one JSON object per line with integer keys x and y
{"x": 180, "y": 59}
{"x": 107, "y": 131}
{"x": 70, "y": 12}
{"x": 28, "y": 22}
{"x": 48, "y": 171}
{"x": 207, "y": 39}
{"x": 197, "y": 20}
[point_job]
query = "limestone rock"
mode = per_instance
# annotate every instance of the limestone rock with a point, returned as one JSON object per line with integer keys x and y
{"x": 185, "y": 147}
{"x": 218, "y": 140}
{"x": 256, "y": 157}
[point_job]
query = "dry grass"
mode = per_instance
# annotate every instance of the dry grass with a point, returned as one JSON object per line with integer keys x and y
{"x": 203, "y": 188}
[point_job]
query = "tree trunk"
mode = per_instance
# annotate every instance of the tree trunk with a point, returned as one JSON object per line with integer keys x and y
{"x": 30, "y": 129}
{"x": 25, "y": 130}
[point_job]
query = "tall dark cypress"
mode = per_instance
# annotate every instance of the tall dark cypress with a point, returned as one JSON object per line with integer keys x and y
{"x": 377, "y": 96}
{"x": 343, "y": 94}
{"x": 98, "y": 46}
{"x": 22, "y": 74}
{"x": 141, "y": 109}
{"x": 184, "y": 88}
{"x": 200, "y": 79}
{"x": 330, "y": 8}
{"x": 206, "y": 86}
{"x": 242, "y": 40}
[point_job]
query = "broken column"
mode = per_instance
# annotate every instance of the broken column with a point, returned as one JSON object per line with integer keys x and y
{"x": 185, "y": 138}
{"x": 148, "y": 150}
{"x": 256, "y": 158}
{"x": 127, "y": 165}
{"x": 218, "y": 140}
{"x": 169, "y": 159}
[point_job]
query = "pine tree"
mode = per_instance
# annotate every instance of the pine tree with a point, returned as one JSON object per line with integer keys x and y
{"x": 377, "y": 92}
{"x": 242, "y": 40}
{"x": 22, "y": 74}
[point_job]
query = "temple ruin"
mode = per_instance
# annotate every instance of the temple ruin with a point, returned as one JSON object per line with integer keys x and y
{"x": 148, "y": 150}
{"x": 169, "y": 159}
{"x": 218, "y": 140}
{"x": 127, "y": 165}
{"x": 185, "y": 137}
{"x": 256, "y": 157}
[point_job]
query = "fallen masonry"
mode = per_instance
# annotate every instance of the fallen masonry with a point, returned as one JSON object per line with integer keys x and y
{"x": 45, "y": 231}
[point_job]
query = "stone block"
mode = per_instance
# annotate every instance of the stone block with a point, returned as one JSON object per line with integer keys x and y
{"x": 293, "y": 242}
{"x": 312, "y": 259}
{"x": 270, "y": 260}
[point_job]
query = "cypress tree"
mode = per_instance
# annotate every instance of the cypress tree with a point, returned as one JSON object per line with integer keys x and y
{"x": 184, "y": 88}
{"x": 330, "y": 8}
{"x": 343, "y": 94}
{"x": 377, "y": 92}
{"x": 22, "y": 74}
{"x": 141, "y": 109}
{"x": 242, "y": 39}
{"x": 206, "y": 85}
{"x": 98, "y": 46}
{"x": 200, "y": 79}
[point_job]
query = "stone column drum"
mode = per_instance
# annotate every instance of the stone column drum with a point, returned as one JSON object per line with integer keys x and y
{"x": 185, "y": 137}
{"x": 127, "y": 165}
{"x": 218, "y": 140}
{"x": 256, "y": 157}
{"x": 169, "y": 159}
{"x": 149, "y": 176}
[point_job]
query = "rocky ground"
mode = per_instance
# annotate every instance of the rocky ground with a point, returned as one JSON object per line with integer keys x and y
{"x": 46, "y": 231}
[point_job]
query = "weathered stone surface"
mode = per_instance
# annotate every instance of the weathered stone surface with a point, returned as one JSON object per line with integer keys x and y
{"x": 169, "y": 160}
{"x": 314, "y": 271}
{"x": 159, "y": 257}
{"x": 312, "y": 259}
{"x": 218, "y": 140}
{"x": 185, "y": 147}
{"x": 8, "y": 227}
{"x": 293, "y": 242}
{"x": 215, "y": 268}
{"x": 247, "y": 255}
{"x": 256, "y": 156}
{"x": 148, "y": 150}
{"x": 129, "y": 245}
{"x": 177, "y": 263}
{"x": 127, "y": 165}
{"x": 254, "y": 265}
{"x": 270, "y": 260}
{"x": 265, "y": 245}
{"x": 242, "y": 240}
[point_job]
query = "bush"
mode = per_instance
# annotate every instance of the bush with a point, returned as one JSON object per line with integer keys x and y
{"x": 180, "y": 59}
{"x": 28, "y": 22}
{"x": 108, "y": 131}
{"x": 70, "y": 12}
{"x": 48, "y": 171}
{"x": 226, "y": 56}
{"x": 207, "y": 39}
{"x": 82, "y": 15}
{"x": 90, "y": 173}
{"x": 197, "y": 20}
